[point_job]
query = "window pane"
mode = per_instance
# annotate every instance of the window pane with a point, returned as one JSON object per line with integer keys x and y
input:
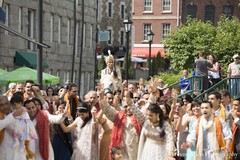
{"x": 110, "y": 37}
{"x": 192, "y": 11}
{"x": 166, "y": 30}
{"x": 166, "y": 5}
{"x": 122, "y": 11}
{"x": 146, "y": 29}
{"x": 109, "y": 9}
{"x": 209, "y": 13}
{"x": 228, "y": 11}
{"x": 147, "y": 5}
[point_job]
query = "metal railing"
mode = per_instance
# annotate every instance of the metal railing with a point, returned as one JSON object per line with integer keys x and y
{"x": 232, "y": 85}
{"x": 196, "y": 86}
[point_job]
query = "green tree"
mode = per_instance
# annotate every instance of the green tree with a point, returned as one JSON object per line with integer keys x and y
{"x": 101, "y": 64}
{"x": 223, "y": 41}
{"x": 130, "y": 66}
{"x": 187, "y": 41}
{"x": 227, "y": 40}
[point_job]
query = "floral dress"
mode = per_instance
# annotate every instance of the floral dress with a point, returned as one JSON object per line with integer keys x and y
{"x": 22, "y": 130}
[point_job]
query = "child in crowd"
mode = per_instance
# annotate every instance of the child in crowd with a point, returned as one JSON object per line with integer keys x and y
{"x": 116, "y": 153}
{"x": 23, "y": 129}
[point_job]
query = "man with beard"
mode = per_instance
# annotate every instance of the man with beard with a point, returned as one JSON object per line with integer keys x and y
{"x": 41, "y": 118}
{"x": 127, "y": 126}
{"x": 211, "y": 135}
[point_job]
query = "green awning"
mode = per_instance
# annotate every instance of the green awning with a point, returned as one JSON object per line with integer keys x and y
{"x": 28, "y": 59}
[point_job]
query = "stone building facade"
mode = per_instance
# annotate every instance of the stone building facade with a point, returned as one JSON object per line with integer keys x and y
{"x": 58, "y": 27}
{"x": 111, "y": 14}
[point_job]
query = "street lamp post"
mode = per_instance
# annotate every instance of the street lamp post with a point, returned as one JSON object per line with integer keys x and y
{"x": 150, "y": 35}
{"x": 127, "y": 25}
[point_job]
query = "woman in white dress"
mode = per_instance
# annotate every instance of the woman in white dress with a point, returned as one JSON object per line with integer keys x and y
{"x": 156, "y": 140}
{"x": 85, "y": 146}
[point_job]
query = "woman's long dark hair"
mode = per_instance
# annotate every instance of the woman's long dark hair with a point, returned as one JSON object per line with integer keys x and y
{"x": 85, "y": 108}
{"x": 154, "y": 108}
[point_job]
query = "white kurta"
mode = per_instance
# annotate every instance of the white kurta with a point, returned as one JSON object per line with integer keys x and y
{"x": 7, "y": 151}
{"x": 34, "y": 145}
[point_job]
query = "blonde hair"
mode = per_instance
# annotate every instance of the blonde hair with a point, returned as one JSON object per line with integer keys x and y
{"x": 110, "y": 57}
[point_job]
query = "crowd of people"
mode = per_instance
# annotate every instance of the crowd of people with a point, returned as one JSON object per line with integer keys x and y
{"x": 118, "y": 121}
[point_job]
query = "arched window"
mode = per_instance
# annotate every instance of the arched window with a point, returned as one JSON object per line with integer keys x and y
{"x": 228, "y": 10}
{"x": 209, "y": 13}
{"x": 192, "y": 11}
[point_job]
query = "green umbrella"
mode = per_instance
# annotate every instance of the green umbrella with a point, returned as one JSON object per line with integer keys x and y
{"x": 24, "y": 73}
{"x": 2, "y": 71}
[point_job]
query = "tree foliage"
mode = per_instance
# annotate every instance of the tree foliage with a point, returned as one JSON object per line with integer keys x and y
{"x": 101, "y": 64}
{"x": 223, "y": 41}
{"x": 130, "y": 65}
{"x": 187, "y": 41}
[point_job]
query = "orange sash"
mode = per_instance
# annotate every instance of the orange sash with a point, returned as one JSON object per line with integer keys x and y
{"x": 219, "y": 135}
{"x": 234, "y": 129}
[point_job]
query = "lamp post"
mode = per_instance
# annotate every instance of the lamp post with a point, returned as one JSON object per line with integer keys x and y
{"x": 150, "y": 35}
{"x": 127, "y": 25}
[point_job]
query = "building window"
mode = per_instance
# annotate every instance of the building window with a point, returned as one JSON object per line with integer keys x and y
{"x": 122, "y": 38}
{"x": 84, "y": 34}
{"x": 91, "y": 35}
{"x": 99, "y": 11}
{"x": 68, "y": 31}
{"x": 228, "y": 11}
{"x": 122, "y": 11}
{"x": 192, "y": 11}
{"x": 110, "y": 36}
{"x": 209, "y": 13}
{"x": 59, "y": 29}
{"x": 31, "y": 28}
{"x": 74, "y": 76}
{"x": 58, "y": 73}
{"x": 109, "y": 9}
{"x": 166, "y": 30}
{"x": 7, "y": 11}
{"x": 50, "y": 71}
{"x": 77, "y": 38}
{"x": 51, "y": 27}
{"x": 66, "y": 76}
{"x": 147, "y": 5}
{"x": 146, "y": 29}
{"x": 166, "y": 5}
{"x": 89, "y": 80}
{"x": 20, "y": 20}
{"x": 82, "y": 85}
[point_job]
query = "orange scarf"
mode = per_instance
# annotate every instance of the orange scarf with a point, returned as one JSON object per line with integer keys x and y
{"x": 219, "y": 135}
{"x": 222, "y": 112}
{"x": 234, "y": 130}
{"x": 2, "y": 131}
{"x": 42, "y": 128}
